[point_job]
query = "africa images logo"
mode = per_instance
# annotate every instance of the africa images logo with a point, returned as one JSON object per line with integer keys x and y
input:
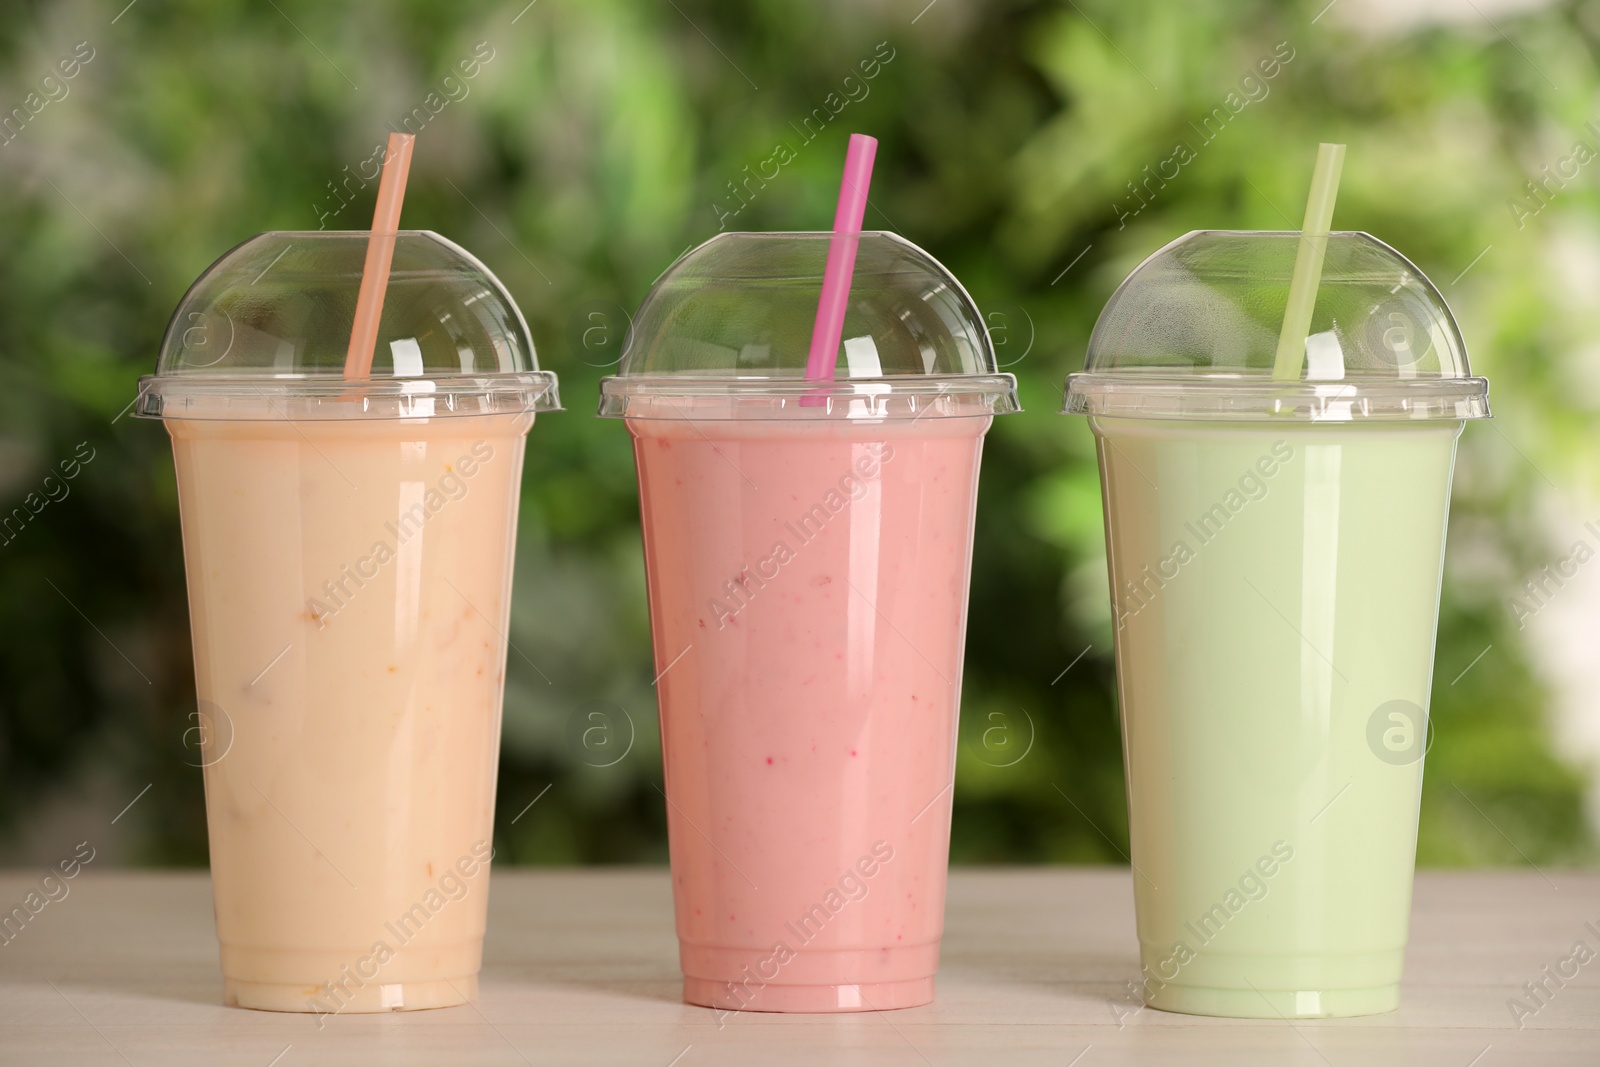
{"x": 1139, "y": 592}
{"x": 853, "y": 485}
{"x": 417, "y": 507}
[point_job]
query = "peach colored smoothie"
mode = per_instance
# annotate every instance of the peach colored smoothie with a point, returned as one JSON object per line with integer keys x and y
{"x": 348, "y": 418}
{"x": 808, "y": 593}
{"x": 349, "y": 585}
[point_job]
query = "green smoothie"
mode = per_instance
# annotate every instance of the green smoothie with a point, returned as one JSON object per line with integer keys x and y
{"x": 1276, "y": 475}
{"x": 1276, "y": 588}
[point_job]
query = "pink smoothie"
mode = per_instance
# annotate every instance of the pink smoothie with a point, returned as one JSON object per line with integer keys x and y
{"x": 808, "y": 594}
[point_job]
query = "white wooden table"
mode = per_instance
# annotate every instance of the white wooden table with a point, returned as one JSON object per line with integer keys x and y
{"x": 581, "y": 968}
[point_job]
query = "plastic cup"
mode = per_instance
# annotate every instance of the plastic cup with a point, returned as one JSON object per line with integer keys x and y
{"x": 1275, "y": 550}
{"x": 348, "y": 549}
{"x": 807, "y": 550}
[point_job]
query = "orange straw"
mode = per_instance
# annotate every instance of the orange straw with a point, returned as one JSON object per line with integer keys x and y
{"x": 380, "y": 253}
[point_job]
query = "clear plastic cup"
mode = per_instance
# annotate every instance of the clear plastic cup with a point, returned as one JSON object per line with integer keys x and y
{"x": 1275, "y": 550}
{"x": 807, "y": 550}
{"x": 348, "y": 548}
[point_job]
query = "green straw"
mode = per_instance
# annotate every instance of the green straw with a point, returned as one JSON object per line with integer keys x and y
{"x": 1308, "y": 263}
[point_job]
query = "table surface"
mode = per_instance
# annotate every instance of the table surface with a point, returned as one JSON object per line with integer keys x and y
{"x": 581, "y": 967}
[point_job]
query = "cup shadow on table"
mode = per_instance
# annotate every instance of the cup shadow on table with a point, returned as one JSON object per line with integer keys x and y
{"x": 1092, "y": 979}
{"x": 203, "y": 991}
{"x": 660, "y": 989}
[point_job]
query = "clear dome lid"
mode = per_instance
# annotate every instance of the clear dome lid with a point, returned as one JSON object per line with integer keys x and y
{"x": 725, "y": 331}
{"x": 263, "y": 334}
{"x": 1192, "y": 334}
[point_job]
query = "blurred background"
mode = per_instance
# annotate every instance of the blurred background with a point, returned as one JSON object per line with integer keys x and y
{"x": 579, "y": 147}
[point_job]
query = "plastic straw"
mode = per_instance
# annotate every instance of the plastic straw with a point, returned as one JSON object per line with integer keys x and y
{"x": 825, "y": 337}
{"x": 380, "y": 253}
{"x": 1308, "y": 263}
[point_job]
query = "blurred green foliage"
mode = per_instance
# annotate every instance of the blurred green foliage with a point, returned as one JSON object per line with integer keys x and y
{"x": 597, "y": 144}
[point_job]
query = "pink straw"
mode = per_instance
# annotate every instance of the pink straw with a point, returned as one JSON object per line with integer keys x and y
{"x": 824, "y": 357}
{"x": 380, "y": 254}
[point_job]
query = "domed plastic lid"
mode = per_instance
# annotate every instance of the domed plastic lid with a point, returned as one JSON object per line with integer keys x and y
{"x": 263, "y": 334}
{"x": 724, "y": 334}
{"x": 1193, "y": 332}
